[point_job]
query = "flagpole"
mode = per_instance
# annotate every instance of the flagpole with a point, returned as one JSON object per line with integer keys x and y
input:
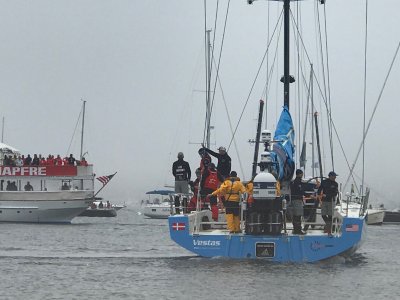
{"x": 104, "y": 185}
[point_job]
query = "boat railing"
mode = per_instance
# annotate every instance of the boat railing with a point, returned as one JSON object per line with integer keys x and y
{"x": 183, "y": 203}
{"x": 201, "y": 221}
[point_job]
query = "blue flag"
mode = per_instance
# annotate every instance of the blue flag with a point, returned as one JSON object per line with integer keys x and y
{"x": 283, "y": 146}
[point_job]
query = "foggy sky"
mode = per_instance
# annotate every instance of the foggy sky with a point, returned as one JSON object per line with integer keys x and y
{"x": 140, "y": 67}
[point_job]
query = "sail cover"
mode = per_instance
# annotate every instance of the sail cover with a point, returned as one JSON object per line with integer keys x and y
{"x": 283, "y": 146}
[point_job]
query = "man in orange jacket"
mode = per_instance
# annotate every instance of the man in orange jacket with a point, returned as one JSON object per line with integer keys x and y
{"x": 231, "y": 188}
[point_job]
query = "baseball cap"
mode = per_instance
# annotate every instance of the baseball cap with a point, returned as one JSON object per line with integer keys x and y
{"x": 299, "y": 171}
{"x": 332, "y": 174}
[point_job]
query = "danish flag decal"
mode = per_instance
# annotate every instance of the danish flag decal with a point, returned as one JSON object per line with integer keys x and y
{"x": 178, "y": 226}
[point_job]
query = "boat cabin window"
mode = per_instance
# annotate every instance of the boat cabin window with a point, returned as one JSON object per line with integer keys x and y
{"x": 65, "y": 185}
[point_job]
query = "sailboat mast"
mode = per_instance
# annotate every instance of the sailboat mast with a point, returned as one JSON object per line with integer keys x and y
{"x": 83, "y": 127}
{"x": 312, "y": 123}
{"x": 208, "y": 101}
{"x": 2, "y": 131}
{"x": 286, "y": 29}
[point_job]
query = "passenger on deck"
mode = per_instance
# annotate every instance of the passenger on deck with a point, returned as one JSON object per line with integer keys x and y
{"x": 19, "y": 162}
{"x": 93, "y": 205}
{"x": 50, "y": 160}
{"x": 224, "y": 160}
{"x": 35, "y": 160}
{"x": 12, "y": 160}
{"x": 43, "y": 162}
{"x": 101, "y": 204}
{"x": 297, "y": 195}
{"x": 6, "y": 161}
{"x": 58, "y": 160}
{"x": 83, "y": 162}
{"x": 28, "y": 160}
{"x": 28, "y": 187}
{"x": 210, "y": 181}
{"x": 108, "y": 204}
{"x": 71, "y": 160}
{"x": 329, "y": 190}
{"x": 231, "y": 189}
{"x": 13, "y": 186}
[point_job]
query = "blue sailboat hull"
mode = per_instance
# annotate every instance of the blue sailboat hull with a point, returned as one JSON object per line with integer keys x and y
{"x": 280, "y": 248}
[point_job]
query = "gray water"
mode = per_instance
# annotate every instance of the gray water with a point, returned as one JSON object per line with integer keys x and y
{"x": 132, "y": 257}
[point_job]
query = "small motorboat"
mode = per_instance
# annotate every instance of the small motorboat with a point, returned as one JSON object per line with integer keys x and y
{"x": 100, "y": 209}
{"x": 158, "y": 204}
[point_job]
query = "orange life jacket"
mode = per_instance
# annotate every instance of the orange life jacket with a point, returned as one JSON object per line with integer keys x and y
{"x": 211, "y": 181}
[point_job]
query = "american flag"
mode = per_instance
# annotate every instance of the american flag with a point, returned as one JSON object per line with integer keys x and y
{"x": 352, "y": 228}
{"x": 178, "y": 226}
{"x": 105, "y": 179}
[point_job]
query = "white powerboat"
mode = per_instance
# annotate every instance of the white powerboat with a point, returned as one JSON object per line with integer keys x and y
{"x": 375, "y": 216}
{"x": 158, "y": 204}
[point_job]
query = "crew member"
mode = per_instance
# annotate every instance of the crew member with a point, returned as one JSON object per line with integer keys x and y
{"x": 182, "y": 173}
{"x": 297, "y": 194}
{"x": 224, "y": 160}
{"x": 329, "y": 190}
{"x": 249, "y": 189}
{"x": 205, "y": 159}
{"x": 194, "y": 186}
{"x": 210, "y": 181}
{"x": 231, "y": 189}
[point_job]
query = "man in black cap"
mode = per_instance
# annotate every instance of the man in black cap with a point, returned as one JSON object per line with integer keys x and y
{"x": 297, "y": 194}
{"x": 224, "y": 160}
{"x": 329, "y": 189}
{"x": 182, "y": 174}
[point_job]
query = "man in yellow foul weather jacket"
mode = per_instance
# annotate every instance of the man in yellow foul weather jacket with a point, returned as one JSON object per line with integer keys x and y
{"x": 231, "y": 189}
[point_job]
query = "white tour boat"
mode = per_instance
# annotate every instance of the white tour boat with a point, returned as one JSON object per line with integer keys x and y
{"x": 56, "y": 194}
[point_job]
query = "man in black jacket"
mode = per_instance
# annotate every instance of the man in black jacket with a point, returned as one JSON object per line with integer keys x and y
{"x": 182, "y": 174}
{"x": 297, "y": 195}
{"x": 329, "y": 188}
{"x": 224, "y": 160}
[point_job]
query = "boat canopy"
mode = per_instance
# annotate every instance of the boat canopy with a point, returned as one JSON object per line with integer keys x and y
{"x": 160, "y": 192}
{"x": 6, "y": 149}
